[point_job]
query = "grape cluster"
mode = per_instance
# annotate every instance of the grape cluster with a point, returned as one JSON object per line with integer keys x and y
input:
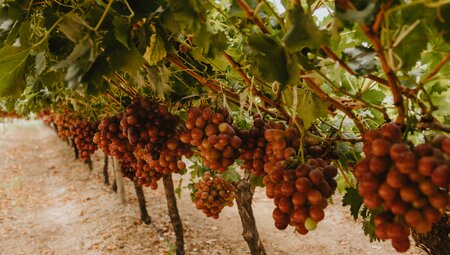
{"x": 253, "y": 147}
{"x": 63, "y": 123}
{"x": 410, "y": 183}
{"x": 154, "y": 133}
{"x": 9, "y": 115}
{"x": 46, "y": 116}
{"x": 215, "y": 137}
{"x": 112, "y": 141}
{"x": 300, "y": 191}
{"x": 168, "y": 159}
{"x": 212, "y": 194}
{"x": 83, "y": 133}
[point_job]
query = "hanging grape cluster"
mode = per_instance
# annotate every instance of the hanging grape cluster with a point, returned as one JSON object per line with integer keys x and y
{"x": 214, "y": 135}
{"x": 63, "y": 123}
{"x": 154, "y": 133}
{"x": 409, "y": 182}
{"x": 299, "y": 190}
{"x": 11, "y": 115}
{"x": 112, "y": 141}
{"x": 83, "y": 134}
{"x": 46, "y": 116}
{"x": 253, "y": 147}
{"x": 212, "y": 194}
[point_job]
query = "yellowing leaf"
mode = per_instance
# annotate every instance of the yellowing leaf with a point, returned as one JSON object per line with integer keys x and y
{"x": 155, "y": 51}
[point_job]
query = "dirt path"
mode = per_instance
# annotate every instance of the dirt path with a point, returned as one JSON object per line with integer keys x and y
{"x": 50, "y": 204}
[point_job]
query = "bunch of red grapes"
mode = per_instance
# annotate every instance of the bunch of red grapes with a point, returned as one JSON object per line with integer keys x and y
{"x": 253, "y": 147}
{"x": 83, "y": 134}
{"x": 63, "y": 123}
{"x": 154, "y": 133}
{"x": 212, "y": 194}
{"x": 299, "y": 190}
{"x": 409, "y": 182}
{"x": 112, "y": 141}
{"x": 214, "y": 135}
{"x": 46, "y": 116}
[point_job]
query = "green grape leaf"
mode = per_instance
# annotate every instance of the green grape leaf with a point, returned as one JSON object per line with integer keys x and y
{"x": 374, "y": 96}
{"x": 218, "y": 63}
{"x": 368, "y": 227}
{"x": 309, "y": 106}
{"x": 256, "y": 181}
{"x": 231, "y": 175}
{"x": 353, "y": 199}
{"x": 155, "y": 51}
{"x": 212, "y": 44}
{"x": 302, "y": 31}
{"x": 411, "y": 32}
{"x": 183, "y": 16}
{"x": 159, "y": 77}
{"x": 73, "y": 27}
{"x": 361, "y": 60}
{"x": 122, "y": 30}
{"x": 267, "y": 58}
{"x": 178, "y": 189}
{"x": 41, "y": 62}
{"x": 78, "y": 62}
{"x": 236, "y": 10}
{"x": 439, "y": 87}
{"x": 12, "y": 68}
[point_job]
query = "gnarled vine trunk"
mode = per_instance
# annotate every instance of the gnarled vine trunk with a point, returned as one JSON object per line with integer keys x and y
{"x": 437, "y": 241}
{"x": 105, "y": 170}
{"x": 244, "y": 197}
{"x": 119, "y": 181}
{"x": 142, "y": 204}
{"x": 90, "y": 165}
{"x": 75, "y": 149}
{"x": 173, "y": 213}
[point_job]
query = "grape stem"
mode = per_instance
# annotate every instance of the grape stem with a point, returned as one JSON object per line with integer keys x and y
{"x": 436, "y": 69}
{"x": 346, "y": 68}
{"x": 349, "y": 184}
{"x": 248, "y": 82}
{"x": 433, "y": 125}
{"x": 251, "y": 15}
{"x": 325, "y": 97}
{"x": 212, "y": 84}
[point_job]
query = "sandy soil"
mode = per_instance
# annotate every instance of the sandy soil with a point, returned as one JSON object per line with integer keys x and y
{"x": 51, "y": 204}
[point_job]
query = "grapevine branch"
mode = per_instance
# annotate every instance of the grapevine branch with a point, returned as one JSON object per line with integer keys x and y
{"x": 231, "y": 95}
{"x": 404, "y": 90}
{"x": 433, "y": 125}
{"x": 391, "y": 77}
{"x": 437, "y": 69}
{"x": 381, "y": 109}
{"x": 251, "y": 16}
{"x": 378, "y": 20}
{"x": 409, "y": 93}
{"x": 325, "y": 97}
{"x": 121, "y": 79}
{"x": 344, "y": 66}
{"x": 110, "y": 81}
